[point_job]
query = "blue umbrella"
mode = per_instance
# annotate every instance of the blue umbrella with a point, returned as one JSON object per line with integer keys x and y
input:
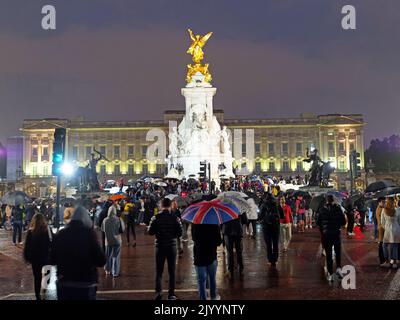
{"x": 211, "y": 212}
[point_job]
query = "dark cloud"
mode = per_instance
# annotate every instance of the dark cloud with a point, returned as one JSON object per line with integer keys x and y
{"x": 126, "y": 59}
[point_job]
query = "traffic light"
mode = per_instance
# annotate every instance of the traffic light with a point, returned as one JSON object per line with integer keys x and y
{"x": 355, "y": 162}
{"x": 203, "y": 170}
{"x": 58, "y": 150}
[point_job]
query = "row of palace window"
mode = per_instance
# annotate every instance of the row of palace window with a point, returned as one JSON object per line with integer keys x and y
{"x": 160, "y": 168}
{"x": 102, "y": 149}
{"x": 131, "y": 150}
{"x": 341, "y": 148}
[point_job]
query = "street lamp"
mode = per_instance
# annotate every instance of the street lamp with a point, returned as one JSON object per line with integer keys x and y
{"x": 67, "y": 169}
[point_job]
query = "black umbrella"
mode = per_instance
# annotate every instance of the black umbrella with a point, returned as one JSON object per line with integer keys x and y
{"x": 387, "y": 192}
{"x": 357, "y": 196}
{"x": 379, "y": 185}
{"x": 209, "y": 197}
{"x": 319, "y": 201}
{"x": 301, "y": 193}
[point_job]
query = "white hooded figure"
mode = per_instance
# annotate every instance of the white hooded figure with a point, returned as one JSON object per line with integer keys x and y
{"x": 173, "y": 142}
{"x": 225, "y": 140}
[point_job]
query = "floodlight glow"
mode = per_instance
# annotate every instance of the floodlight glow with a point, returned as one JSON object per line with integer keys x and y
{"x": 67, "y": 169}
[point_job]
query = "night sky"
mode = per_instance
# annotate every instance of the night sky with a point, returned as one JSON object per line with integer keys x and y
{"x": 126, "y": 59}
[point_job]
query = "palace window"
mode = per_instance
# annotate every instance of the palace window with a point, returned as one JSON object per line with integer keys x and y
{"x": 117, "y": 150}
{"x": 46, "y": 171}
{"x": 131, "y": 152}
{"x": 299, "y": 149}
{"x": 117, "y": 169}
{"x": 341, "y": 147}
{"x": 103, "y": 150}
{"x": 341, "y": 165}
{"x": 45, "y": 153}
{"x": 34, "y": 170}
{"x": 159, "y": 168}
{"x": 145, "y": 168}
{"x": 74, "y": 153}
{"x": 257, "y": 149}
{"x": 131, "y": 169}
{"x": 88, "y": 152}
{"x": 144, "y": 151}
{"x": 299, "y": 166}
{"x": 243, "y": 149}
{"x": 271, "y": 148}
{"x": 285, "y": 148}
{"x": 352, "y": 146}
{"x": 103, "y": 170}
{"x": 257, "y": 168}
{"x": 285, "y": 166}
{"x": 331, "y": 149}
{"x": 272, "y": 166}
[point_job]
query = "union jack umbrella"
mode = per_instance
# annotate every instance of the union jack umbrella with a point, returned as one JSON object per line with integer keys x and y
{"x": 211, "y": 212}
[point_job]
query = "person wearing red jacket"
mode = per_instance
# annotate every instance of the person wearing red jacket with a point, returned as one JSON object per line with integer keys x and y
{"x": 285, "y": 212}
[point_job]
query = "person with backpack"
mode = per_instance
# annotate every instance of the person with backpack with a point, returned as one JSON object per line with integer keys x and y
{"x": 37, "y": 249}
{"x": 270, "y": 219}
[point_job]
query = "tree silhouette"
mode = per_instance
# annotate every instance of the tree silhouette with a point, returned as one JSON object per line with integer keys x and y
{"x": 385, "y": 154}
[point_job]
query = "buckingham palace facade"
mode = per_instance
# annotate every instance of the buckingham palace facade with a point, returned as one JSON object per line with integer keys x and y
{"x": 279, "y": 144}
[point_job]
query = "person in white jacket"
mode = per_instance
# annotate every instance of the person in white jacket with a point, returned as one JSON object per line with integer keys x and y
{"x": 252, "y": 217}
{"x": 113, "y": 227}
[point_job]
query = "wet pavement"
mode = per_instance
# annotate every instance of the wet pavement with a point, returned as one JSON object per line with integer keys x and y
{"x": 299, "y": 273}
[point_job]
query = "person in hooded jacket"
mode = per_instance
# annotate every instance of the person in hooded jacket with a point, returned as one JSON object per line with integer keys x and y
{"x": 103, "y": 214}
{"x": 330, "y": 220}
{"x": 113, "y": 227}
{"x": 77, "y": 254}
{"x": 252, "y": 217}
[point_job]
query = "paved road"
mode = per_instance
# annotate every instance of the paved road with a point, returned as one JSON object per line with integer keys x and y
{"x": 299, "y": 274}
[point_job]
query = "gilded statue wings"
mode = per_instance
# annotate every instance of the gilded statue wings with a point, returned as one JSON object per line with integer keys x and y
{"x": 204, "y": 39}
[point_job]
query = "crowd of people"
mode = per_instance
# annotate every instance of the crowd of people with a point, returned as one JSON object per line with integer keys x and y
{"x": 93, "y": 233}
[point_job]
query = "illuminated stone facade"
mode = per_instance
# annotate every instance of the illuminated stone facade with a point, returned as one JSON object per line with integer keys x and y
{"x": 279, "y": 144}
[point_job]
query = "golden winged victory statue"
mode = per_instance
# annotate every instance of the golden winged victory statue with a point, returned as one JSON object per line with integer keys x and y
{"x": 196, "y": 50}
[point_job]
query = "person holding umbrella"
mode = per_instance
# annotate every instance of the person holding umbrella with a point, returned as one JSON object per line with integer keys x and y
{"x": 206, "y": 216}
